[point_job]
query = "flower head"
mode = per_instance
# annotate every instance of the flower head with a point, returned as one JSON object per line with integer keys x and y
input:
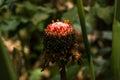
{"x": 59, "y": 28}
{"x": 59, "y": 40}
{"x": 59, "y": 36}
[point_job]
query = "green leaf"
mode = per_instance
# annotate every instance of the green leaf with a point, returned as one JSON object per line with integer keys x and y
{"x": 41, "y": 26}
{"x": 10, "y": 24}
{"x": 30, "y": 6}
{"x": 105, "y": 13}
{"x": 72, "y": 72}
{"x": 35, "y": 75}
{"x": 1, "y": 2}
{"x": 57, "y": 77}
{"x": 6, "y": 68}
{"x": 72, "y": 12}
{"x": 38, "y": 17}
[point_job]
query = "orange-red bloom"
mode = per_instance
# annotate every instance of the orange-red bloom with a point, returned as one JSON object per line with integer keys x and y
{"x": 59, "y": 28}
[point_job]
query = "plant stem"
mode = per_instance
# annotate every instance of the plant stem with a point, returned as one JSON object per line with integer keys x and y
{"x": 6, "y": 67}
{"x": 62, "y": 72}
{"x": 85, "y": 39}
{"x": 116, "y": 42}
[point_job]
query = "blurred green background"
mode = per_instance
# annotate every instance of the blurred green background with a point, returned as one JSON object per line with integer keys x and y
{"x": 22, "y": 24}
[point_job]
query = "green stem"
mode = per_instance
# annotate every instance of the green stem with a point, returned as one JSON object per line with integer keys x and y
{"x": 85, "y": 39}
{"x": 116, "y": 42}
{"x": 6, "y": 67}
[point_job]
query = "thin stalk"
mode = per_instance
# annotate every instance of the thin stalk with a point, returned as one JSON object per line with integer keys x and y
{"x": 85, "y": 39}
{"x": 62, "y": 72}
{"x": 116, "y": 42}
{"x": 6, "y": 67}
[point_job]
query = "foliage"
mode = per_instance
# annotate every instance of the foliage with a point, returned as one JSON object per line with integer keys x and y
{"x": 22, "y": 24}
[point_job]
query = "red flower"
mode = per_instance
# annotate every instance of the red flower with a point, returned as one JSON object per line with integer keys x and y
{"x": 59, "y": 28}
{"x": 59, "y": 43}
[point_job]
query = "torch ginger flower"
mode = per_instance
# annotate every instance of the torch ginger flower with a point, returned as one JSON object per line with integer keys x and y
{"x": 59, "y": 41}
